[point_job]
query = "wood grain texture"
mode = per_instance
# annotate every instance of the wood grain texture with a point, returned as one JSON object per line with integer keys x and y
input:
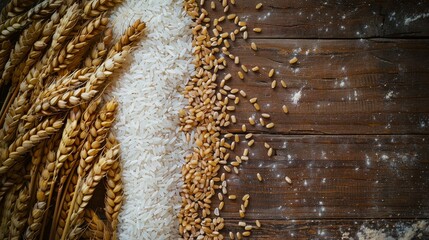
{"x": 346, "y": 86}
{"x": 331, "y": 18}
{"x": 333, "y": 177}
{"x": 328, "y": 229}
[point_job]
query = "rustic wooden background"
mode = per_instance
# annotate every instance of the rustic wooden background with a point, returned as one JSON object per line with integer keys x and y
{"x": 356, "y": 144}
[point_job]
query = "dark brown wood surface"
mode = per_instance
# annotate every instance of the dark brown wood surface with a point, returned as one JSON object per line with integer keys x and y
{"x": 356, "y": 142}
{"x": 333, "y": 18}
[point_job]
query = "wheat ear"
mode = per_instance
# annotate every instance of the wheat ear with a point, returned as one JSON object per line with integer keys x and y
{"x": 38, "y": 47}
{"x": 8, "y": 206}
{"x": 21, "y": 49}
{"x": 6, "y": 48}
{"x": 99, "y": 51}
{"x": 13, "y": 25}
{"x": 12, "y": 178}
{"x": 96, "y": 229}
{"x": 44, "y": 9}
{"x": 114, "y": 190}
{"x": 18, "y": 108}
{"x": 43, "y": 194}
{"x": 15, "y": 8}
{"x": 92, "y": 145}
{"x": 40, "y": 70}
{"x": 95, "y": 8}
{"x": 86, "y": 190}
{"x": 19, "y": 214}
{"x": 76, "y": 46}
{"x": 25, "y": 143}
{"x": 97, "y": 136}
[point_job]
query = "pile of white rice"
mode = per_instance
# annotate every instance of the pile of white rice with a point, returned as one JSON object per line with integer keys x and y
{"x": 147, "y": 125}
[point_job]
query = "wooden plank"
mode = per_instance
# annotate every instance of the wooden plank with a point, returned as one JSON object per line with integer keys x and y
{"x": 331, "y": 19}
{"x": 331, "y": 229}
{"x": 333, "y": 177}
{"x": 346, "y": 86}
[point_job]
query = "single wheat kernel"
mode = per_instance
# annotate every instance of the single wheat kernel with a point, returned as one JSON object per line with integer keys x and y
{"x": 293, "y": 60}
{"x": 253, "y": 46}
{"x": 283, "y": 84}
{"x": 288, "y": 180}
{"x": 258, "y": 175}
{"x": 285, "y": 110}
{"x": 271, "y": 73}
{"x": 257, "y": 30}
{"x": 258, "y": 6}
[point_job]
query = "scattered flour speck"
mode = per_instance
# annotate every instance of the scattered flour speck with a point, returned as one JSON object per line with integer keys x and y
{"x": 296, "y": 97}
{"x": 409, "y": 20}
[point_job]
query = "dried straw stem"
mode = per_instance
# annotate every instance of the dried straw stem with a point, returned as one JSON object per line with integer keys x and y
{"x": 22, "y": 47}
{"x": 25, "y": 143}
{"x": 19, "y": 214}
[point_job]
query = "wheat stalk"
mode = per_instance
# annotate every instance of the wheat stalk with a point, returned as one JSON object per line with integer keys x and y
{"x": 19, "y": 214}
{"x": 87, "y": 188}
{"x": 85, "y": 122}
{"x": 18, "y": 108}
{"x": 8, "y": 206}
{"x": 62, "y": 209}
{"x": 131, "y": 34}
{"x": 99, "y": 50}
{"x": 91, "y": 147}
{"x": 44, "y": 9}
{"x": 6, "y": 48}
{"x": 96, "y": 228}
{"x": 40, "y": 70}
{"x": 15, "y": 8}
{"x": 38, "y": 47}
{"x": 43, "y": 192}
{"x": 68, "y": 53}
{"x": 25, "y": 143}
{"x": 13, "y": 25}
{"x": 13, "y": 177}
{"x": 95, "y": 8}
{"x": 96, "y": 138}
{"x": 21, "y": 49}
{"x": 35, "y": 218}
{"x": 114, "y": 190}
{"x": 61, "y": 102}
{"x": 70, "y": 99}
{"x": 36, "y": 166}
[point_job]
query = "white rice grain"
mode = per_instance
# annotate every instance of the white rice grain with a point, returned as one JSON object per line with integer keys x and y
{"x": 147, "y": 124}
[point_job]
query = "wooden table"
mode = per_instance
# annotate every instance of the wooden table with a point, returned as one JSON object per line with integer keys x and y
{"x": 356, "y": 142}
